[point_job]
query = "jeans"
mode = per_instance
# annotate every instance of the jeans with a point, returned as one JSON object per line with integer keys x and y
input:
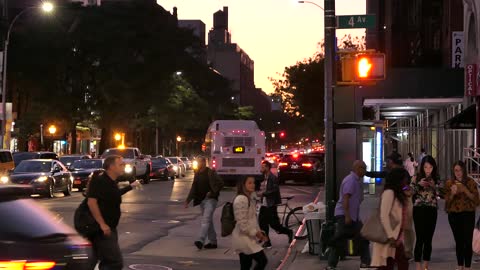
{"x": 462, "y": 225}
{"x": 425, "y": 218}
{"x": 343, "y": 232}
{"x": 207, "y": 229}
{"x": 107, "y": 251}
{"x": 247, "y": 260}
{"x": 268, "y": 217}
{"x": 400, "y": 259}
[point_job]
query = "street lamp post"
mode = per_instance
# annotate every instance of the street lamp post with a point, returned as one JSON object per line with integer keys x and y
{"x": 46, "y": 7}
{"x": 52, "y": 129}
{"x": 179, "y": 139}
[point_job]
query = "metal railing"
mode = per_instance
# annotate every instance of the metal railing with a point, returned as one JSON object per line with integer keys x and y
{"x": 472, "y": 161}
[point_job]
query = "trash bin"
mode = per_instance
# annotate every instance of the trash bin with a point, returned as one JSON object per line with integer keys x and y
{"x": 314, "y": 224}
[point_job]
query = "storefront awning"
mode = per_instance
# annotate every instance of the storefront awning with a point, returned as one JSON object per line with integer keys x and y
{"x": 463, "y": 120}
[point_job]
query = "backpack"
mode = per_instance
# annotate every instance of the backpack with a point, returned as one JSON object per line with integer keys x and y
{"x": 84, "y": 222}
{"x": 227, "y": 219}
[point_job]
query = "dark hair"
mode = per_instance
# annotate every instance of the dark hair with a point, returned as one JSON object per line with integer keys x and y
{"x": 396, "y": 179}
{"x": 241, "y": 187}
{"x": 422, "y": 149}
{"x": 109, "y": 161}
{"x": 268, "y": 164}
{"x": 464, "y": 169}
{"x": 411, "y": 156}
{"x": 421, "y": 171}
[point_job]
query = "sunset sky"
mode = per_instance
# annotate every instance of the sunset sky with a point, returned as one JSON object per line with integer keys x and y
{"x": 274, "y": 33}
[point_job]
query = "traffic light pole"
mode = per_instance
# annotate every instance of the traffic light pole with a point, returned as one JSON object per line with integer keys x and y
{"x": 330, "y": 180}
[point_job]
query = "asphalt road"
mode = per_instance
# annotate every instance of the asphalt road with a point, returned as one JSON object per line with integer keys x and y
{"x": 149, "y": 214}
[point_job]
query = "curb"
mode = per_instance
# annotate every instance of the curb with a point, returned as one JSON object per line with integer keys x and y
{"x": 298, "y": 233}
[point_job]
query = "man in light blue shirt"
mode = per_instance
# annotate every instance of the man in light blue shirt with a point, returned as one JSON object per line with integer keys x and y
{"x": 347, "y": 215}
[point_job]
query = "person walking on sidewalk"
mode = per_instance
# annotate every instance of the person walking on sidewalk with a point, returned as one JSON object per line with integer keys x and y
{"x": 347, "y": 215}
{"x": 104, "y": 199}
{"x": 395, "y": 205}
{"x": 424, "y": 187}
{"x": 205, "y": 190}
{"x": 247, "y": 236}
{"x": 420, "y": 157}
{"x": 410, "y": 165}
{"x": 461, "y": 200}
{"x": 270, "y": 197}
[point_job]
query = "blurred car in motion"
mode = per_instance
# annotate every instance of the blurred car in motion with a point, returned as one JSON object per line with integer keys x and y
{"x": 68, "y": 160}
{"x": 19, "y": 156}
{"x": 178, "y": 166}
{"x": 82, "y": 169}
{"x": 297, "y": 167}
{"x": 162, "y": 168}
{"x": 45, "y": 176}
{"x": 188, "y": 163}
{"x": 272, "y": 158}
{"x": 31, "y": 237}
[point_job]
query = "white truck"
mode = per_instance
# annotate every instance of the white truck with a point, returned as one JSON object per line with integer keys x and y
{"x": 136, "y": 164}
{"x": 235, "y": 149}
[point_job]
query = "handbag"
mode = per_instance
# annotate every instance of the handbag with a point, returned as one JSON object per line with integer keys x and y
{"x": 373, "y": 229}
{"x": 84, "y": 222}
{"x": 476, "y": 238}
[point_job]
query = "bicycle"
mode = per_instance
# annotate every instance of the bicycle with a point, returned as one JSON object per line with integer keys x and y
{"x": 294, "y": 218}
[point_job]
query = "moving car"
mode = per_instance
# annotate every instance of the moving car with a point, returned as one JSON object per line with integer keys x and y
{"x": 82, "y": 169}
{"x": 297, "y": 167}
{"x": 31, "y": 237}
{"x": 178, "y": 166}
{"x": 19, "y": 156}
{"x": 162, "y": 168}
{"x": 136, "y": 164}
{"x": 45, "y": 176}
{"x": 67, "y": 160}
{"x": 188, "y": 163}
{"x": 6, "y": 161}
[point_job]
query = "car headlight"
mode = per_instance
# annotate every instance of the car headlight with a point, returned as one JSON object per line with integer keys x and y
{"x": 41, "y": 179}
{"x": 128, "y": 168}
{"x": 175, "y": 168}
{"x": 4, "y": 179}
{"x": 195, "y": 165}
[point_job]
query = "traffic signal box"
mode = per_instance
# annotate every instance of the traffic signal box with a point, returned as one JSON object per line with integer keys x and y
{"x": 359, "y": 68}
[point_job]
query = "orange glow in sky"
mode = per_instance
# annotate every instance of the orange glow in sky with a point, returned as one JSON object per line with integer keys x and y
{"x": 274, "y": 33}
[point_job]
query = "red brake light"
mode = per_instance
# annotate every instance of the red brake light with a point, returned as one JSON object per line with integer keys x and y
{"x": 281, "y": 164}
{"x": 295, "y": 155}
{"x": 24, "y": 265}
{"x": 307, "y": 165}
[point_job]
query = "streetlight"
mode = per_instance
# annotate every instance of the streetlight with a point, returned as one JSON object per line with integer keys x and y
{"x": 46, "y": 7}
{"x": 179, "y": 139}
{"x": 308, "y": 2}
{"x": 52, "y": 129}
{"x": 120, "y": 136}
{"x": 117, "y": 137}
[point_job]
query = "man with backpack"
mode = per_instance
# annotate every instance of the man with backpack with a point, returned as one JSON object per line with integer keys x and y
{"x": 205, "y": 191}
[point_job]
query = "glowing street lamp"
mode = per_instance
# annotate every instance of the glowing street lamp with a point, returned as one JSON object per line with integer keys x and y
{"x": 118, "y": 136}
{"x": 47, "y": 6}
{"x": 52, "y": 129}
{"x": 179, "y": 139}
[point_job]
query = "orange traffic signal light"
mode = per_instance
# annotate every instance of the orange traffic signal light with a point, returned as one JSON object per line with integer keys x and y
{"x": 370, "y": 67}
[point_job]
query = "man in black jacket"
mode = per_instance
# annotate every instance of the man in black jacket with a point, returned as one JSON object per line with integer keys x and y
{"x": 104, "y": 199}
{"x": 205, "y": 190}
{"x": 270, "y": 198}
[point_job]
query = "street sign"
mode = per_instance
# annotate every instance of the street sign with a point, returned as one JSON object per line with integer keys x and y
{"x": 355, "y": 21}
{"x": 471, "y": 80}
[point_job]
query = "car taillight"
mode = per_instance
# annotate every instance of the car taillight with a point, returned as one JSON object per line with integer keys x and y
{"x": 214, "y": 162}
{"x": 25, "y": 265}
{"x": 281, "y": 164}
{"x": 307, "y": 165}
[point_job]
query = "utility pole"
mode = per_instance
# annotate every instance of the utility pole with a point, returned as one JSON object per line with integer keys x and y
{"x": 4, "y": 62}
{"x": 330, "y": 36}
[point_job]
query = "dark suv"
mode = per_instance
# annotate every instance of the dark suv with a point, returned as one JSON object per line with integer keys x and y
{"x": 297, "y": 167}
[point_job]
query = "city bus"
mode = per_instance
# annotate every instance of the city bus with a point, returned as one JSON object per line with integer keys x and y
{"x": 235, "y": 149}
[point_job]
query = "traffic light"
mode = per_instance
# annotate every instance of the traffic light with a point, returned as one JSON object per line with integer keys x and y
{"x": 282, "y": 134}
{"x": 363, "y": 67}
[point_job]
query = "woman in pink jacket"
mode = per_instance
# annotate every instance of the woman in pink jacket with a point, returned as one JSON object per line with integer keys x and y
{"x": 396, "y": 219}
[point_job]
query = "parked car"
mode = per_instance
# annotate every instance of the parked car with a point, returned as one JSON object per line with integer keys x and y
{"x": 32, "y": 237}
{"x": 82, "y": 169}
{"x": 45, "y": 176}
{"x": 6, "y": 163}
{"x": 297, "y": 167}
{"x": 178, "y": 166}
{"x": 162, "y": 168}
{"x": 19, "y": 156}
{"x": 188, "y": 163}
{"x": 67, "y": 160}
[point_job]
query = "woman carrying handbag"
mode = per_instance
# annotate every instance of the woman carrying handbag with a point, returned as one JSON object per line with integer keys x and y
{"x": 396, "y": 221}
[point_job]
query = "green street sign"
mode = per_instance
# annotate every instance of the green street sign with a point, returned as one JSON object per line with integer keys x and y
{"x": 355, "y": 21}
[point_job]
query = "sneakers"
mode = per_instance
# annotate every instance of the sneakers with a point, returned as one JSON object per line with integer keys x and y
{"x": 198, "y": 244}
{"x": 210, "y": 246}
{"x": 267, "y": 244}
{"x": 290, "y": 236}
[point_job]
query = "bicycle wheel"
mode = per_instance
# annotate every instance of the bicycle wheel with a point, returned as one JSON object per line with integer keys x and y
{"x": 294, "y": 220}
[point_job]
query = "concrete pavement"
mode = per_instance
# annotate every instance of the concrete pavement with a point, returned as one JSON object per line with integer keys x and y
{"x": 443, "y": 255}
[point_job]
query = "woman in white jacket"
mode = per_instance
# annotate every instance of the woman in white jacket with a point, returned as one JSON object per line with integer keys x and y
{"x": 247, "y": 236}
{"x": 396, "y": 219}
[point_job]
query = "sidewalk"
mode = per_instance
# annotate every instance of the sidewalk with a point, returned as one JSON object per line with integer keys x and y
{"x": 443, "y": 255}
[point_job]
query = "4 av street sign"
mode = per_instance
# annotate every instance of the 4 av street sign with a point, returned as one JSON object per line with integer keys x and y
{"x": 355, "y": 21}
